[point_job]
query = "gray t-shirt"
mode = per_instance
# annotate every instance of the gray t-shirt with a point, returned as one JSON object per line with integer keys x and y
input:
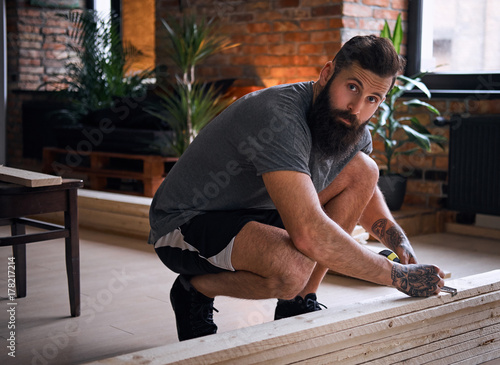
{"x": 222, "y": 168}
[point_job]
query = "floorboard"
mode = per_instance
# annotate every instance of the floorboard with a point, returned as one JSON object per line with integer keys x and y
{"x": 125, "y": 296}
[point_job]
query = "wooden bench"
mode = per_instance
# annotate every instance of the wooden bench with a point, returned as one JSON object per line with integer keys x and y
{"x": 109, "y": 171}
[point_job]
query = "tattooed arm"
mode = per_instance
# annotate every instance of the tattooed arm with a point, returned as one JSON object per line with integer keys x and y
{"x": 408, "y": 277}
{"x": 378, "y": 220}
{"x": 392, "y": 236}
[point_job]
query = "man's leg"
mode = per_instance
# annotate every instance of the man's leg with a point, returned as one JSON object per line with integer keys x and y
{"x": 344, "y": 200}
{"x": 266, "y": 263}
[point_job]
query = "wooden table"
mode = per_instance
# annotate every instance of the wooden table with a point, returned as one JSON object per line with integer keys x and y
{"x": 17, "y": 202}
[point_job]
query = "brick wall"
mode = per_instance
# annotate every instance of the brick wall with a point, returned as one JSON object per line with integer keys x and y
{"x": 281, "y": 41}
{"x": 36, "y": 52}
{"x": 36, "y": 42}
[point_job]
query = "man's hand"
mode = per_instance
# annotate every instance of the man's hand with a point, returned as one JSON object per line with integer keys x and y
{"x": 417, "y": 280}
{"x": 406, "y": 254}
{"x": 393, "y": 237}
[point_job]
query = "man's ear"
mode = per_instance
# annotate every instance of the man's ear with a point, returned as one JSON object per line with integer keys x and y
{"x": 326, "y": 73}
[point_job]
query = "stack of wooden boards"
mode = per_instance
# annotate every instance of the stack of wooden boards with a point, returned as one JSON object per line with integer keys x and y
{"x": 463, "y": 329}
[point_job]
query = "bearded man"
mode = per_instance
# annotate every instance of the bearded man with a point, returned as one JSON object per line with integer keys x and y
{"x": 263, "y": 201}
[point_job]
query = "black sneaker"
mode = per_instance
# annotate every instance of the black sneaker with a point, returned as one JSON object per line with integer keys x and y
{"x": 296, "y": 306}
{"x": 193, "y": 310}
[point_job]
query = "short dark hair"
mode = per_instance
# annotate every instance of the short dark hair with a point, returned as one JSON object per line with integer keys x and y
{"x": 373, "y": 53}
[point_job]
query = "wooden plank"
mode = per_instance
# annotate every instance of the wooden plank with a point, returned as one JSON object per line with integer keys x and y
{"x": 27, "y": 178}
{"x": 308, "y": 337}
{"x": 470, "y": 230}
{"x": 412, "y": 340}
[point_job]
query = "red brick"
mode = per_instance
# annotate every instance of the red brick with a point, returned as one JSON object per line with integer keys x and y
{"x": 400, "y": 4}
{"x": 26, "y": 12}
{"x": 268, "y": 16}
{"x": 30, "y": 62}
{"x": 28, "y": 28}
{"x": 326, "y": 10}
{"x": 297, "y": 37}
{"x": 349, "y": 22}
{"x": 268, "y": 38}
{"x": 286, "y": 26}
{"x": 331, "y": 36}
{"x": 371, "y": 24}
{"x": 266, "y": 60}
{"x": 282, "y": 49}
{"x": 315, "y": 24}
{"x": 387, "y": 14}
{"x": 382, "y": 3}
{"x": 318, "y": 60}
{"x": 51, "y": 30}
{"x": 335, "y": 23}
{"x": 30, "y": 53}
{"x": 441, "y": 162}
{"x": 318, "y": 2}
{"x": 236, "y": 18}
{"x": 259, "y": 28}
{"x": 357, "y": 10}
{"x": 29, "y": 77}
{"x": 28, "y": 45}
{"x": 257, "y": 5}
{"x": 287, "y": 3}
{"x": 242, "y": 60}
{"x": 295, "y": 61}
{"x": 311, "y": 49}
{"x": 254, "y": 50}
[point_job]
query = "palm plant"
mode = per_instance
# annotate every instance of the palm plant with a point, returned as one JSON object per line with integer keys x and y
{"x": 397, "y": 132}
{"x": 189, "y": 103}
{"x": 100, "y": 73}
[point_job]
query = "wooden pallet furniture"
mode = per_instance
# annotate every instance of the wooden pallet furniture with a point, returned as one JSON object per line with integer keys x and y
{"x": 97, "y": 168}
{"x": 443, "y": 329}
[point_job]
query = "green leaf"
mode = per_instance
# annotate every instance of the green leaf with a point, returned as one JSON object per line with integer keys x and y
{"x": 397, "y": 37}
{"x": 416, "y": 82}
{"x": 417, "y": 103}
{"x": 418, "y": 138}
{"x": 386, "y": 33}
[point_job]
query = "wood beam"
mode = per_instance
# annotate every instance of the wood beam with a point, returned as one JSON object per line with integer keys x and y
{"x": 389, "y": 329}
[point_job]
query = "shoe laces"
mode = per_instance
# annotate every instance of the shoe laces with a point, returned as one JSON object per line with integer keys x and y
{"x": 202, "y": 316}
{"x": 313, "y": 304}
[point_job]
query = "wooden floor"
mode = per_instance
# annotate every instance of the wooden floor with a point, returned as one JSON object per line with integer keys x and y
{"x": 125, "y": 296}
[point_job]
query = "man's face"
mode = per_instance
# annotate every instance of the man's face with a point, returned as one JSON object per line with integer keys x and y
{"x": 344, "y": 107}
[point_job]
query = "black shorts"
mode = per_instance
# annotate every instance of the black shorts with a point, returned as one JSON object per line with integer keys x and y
{"x": 204, "y": 244}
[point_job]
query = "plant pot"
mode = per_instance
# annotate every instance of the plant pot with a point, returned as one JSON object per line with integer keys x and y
{"x": 393, "y": 187}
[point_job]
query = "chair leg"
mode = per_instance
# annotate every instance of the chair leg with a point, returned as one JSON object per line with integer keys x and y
{"x": 73, "y": 253}
{"x": 19, "y": 253}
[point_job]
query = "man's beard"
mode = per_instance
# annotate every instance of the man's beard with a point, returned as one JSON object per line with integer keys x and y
{"x": 330, "y": 136}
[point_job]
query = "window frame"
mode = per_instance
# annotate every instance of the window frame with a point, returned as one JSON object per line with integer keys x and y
{"x": 445, "y": 84}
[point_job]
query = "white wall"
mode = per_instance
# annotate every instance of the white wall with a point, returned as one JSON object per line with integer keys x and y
{"x": 3, "y": 82}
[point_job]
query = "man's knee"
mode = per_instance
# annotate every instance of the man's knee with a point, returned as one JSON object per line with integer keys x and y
{"x": 362, "y": 169}
{"x": 290, "y": 283}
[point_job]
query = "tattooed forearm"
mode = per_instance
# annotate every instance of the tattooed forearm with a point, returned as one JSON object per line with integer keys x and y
{"x": 415, "y": 280}
{"x": 392, "y": 237}
{"x": 378, "y": 228}
{"x": 395, "y": 237}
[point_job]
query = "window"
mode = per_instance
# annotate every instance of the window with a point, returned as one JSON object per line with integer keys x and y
{"x": 457, "y": 43}
{"x": 137, "y": 27}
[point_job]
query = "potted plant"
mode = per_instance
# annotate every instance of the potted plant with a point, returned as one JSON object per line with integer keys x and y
{"x": 99, "y": 86}
{"x": 188, "y": 104}
{"x": 398, "y": 132}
